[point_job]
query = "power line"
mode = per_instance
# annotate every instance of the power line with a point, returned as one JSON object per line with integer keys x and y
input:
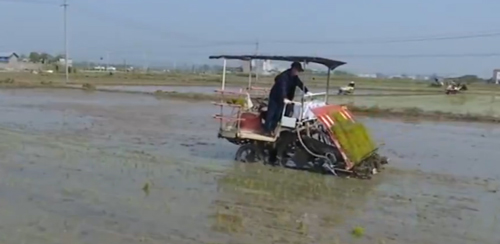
{"x": 456, "y": 55}
{"x": 221, "y": 44}
{"x": 214, "y": 43}
{"x": 129, "y": 23}
{"x": 368, "y": 56}
{"x": 211, "y": 43}
{"x": 30, "y": 1}
{"x": 356, "y": 41}
{"x": 389, "y": 41}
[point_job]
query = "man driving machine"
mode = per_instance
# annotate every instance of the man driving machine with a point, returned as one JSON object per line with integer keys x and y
{"x": 281, "y": 96}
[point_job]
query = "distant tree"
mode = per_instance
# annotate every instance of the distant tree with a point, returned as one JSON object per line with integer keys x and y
{"x": 205, "y": 68}
{"x": 46, "y": 58}
{"x": 467, "y": 79}
{"x": 343, "y": 73}
{"x": 56, "y": 58}
{"x": 34, "y": 57}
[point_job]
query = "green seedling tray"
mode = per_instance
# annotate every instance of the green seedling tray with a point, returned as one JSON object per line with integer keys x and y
{"x": 353, "y": 137}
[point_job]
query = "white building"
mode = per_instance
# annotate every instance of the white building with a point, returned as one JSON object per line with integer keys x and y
{"x": 62, "y": 61}
{"x": 263, "y": 67}
{"x": 267, "y": 66}
{"x": 496, "y": 76}
{"x": 367, "y": 75}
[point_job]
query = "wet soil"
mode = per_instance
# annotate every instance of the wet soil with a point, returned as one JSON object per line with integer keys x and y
{"x": 80, "y": 167}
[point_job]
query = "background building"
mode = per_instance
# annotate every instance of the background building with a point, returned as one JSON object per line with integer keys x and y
{"x": 263, "y": 67}
{"x": 11, "y": 61}
{"x": 496, "y": 76}
{"x": 8, "y": 60}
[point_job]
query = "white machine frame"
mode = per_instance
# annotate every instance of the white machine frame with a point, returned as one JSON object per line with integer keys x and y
{"x": 305, "y": 101}
{"x": 291, "y": 122}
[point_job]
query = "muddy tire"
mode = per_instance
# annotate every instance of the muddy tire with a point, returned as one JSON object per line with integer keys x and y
{"x": 249, "y": 153}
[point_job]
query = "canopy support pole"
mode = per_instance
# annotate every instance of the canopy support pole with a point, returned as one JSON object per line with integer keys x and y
{"x": 303, "y": 94}
{"x": 250, "y": 75}
{"x": 224, "y": 75}
{"x": 327, "y": 85}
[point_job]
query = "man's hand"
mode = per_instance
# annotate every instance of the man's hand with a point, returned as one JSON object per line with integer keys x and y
{"x": 308, "y": 93}
{"x": 287, "y": 101}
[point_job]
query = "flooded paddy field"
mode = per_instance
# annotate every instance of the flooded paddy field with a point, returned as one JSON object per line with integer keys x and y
{"x": 471, "y": 104}
{"x": 211, "y": 89}
{"x": 96, "y": 167}
{"x": 458, "y": 104}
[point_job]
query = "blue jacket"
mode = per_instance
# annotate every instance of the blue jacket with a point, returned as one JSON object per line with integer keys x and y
{"x": 284, "y": 86}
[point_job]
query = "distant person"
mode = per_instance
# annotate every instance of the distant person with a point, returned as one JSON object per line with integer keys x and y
{"x": 349, "y": 89}
{"x": 281, "y": 94}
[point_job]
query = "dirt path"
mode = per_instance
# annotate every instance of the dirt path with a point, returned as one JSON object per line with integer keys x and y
{"x": 115, "y": 168}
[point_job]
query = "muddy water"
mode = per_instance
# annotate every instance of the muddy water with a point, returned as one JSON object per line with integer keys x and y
{"x": 113, "y": 168}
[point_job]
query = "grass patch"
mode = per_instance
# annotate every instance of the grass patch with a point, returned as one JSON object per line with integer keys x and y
{"x": 88, "y": 87}
{"x": 358, "y": 232}
{"x": 7, "y": 81}
{"x": 188, "y": 96}
{"x": 46, "y": 83}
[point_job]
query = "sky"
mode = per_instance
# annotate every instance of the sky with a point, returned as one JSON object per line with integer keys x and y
{"x": 188, "y": 31}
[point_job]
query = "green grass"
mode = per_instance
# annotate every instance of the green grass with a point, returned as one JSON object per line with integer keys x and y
{"x": 358, "y": 232}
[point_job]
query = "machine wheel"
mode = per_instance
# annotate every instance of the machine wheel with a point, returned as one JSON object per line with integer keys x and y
{"x": 249, "y": 153}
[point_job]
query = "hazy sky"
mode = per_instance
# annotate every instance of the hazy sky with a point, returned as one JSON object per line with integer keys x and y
{"x": 187, "y": 31}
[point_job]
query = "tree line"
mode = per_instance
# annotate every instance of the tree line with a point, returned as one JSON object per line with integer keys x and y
{"x": 41, "y": 57}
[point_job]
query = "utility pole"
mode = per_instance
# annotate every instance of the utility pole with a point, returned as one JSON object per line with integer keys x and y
{"x": 258, "y": 61}
{"x": 66, "y": 57}
{"x": 107, "y": 60}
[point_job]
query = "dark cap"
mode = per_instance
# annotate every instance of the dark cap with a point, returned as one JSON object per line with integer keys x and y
{"x": 297, "y": 66}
